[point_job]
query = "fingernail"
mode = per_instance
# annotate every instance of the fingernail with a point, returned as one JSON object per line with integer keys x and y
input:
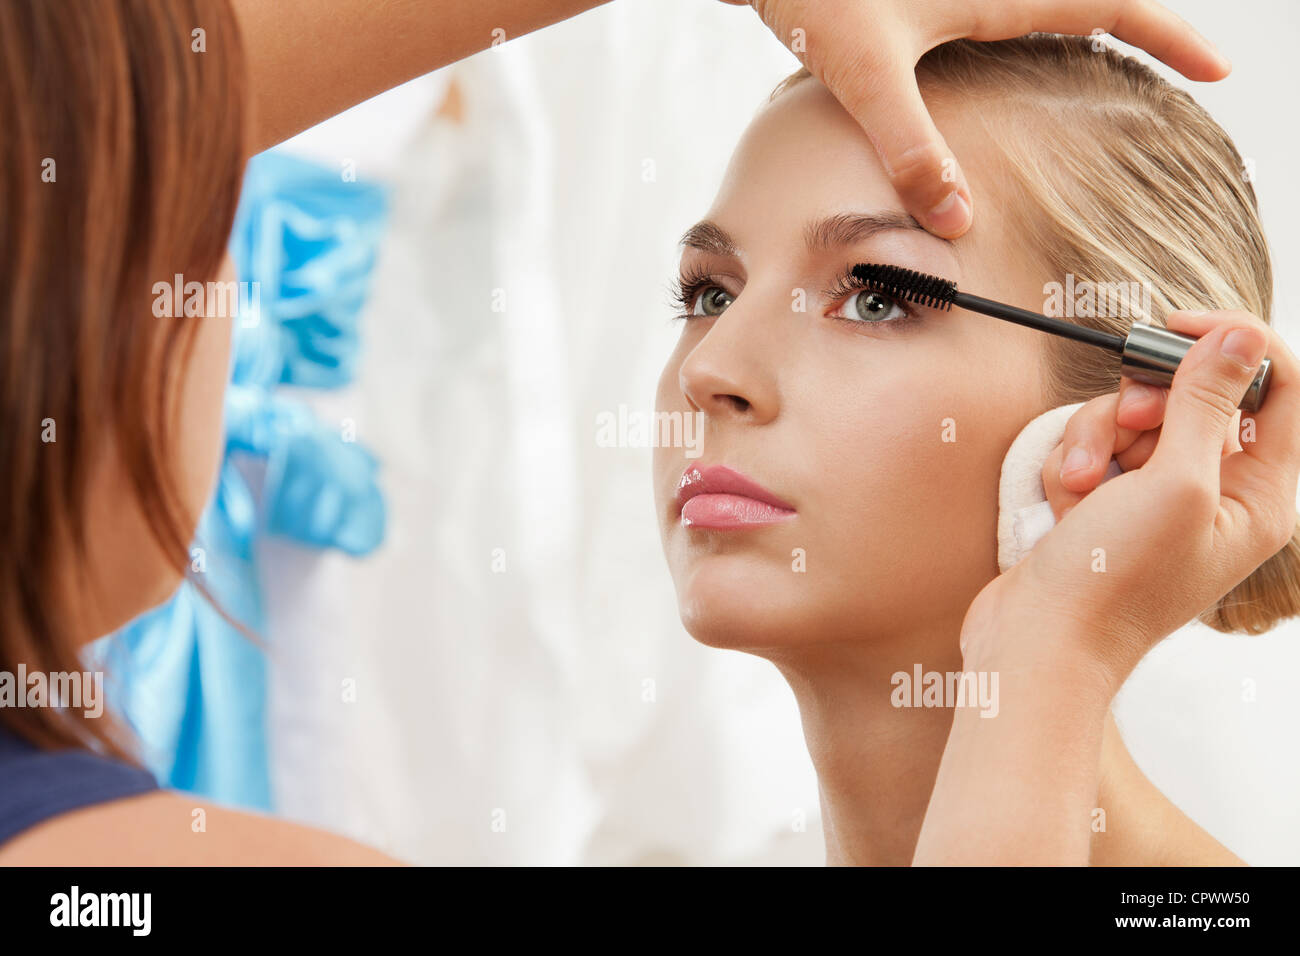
{"x": 1244, "y": 346}
{"x": 1076, "y": 460}
{"x": 1135, "y": 395}
{"x": 950, "y": 216}
{"x": 1207, "y": 44}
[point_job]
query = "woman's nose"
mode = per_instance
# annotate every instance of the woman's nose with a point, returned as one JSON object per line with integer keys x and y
{"x": 732, "y": 371}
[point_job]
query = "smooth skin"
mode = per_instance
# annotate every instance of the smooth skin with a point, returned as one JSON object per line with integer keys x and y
{"x": 309, "y": 61}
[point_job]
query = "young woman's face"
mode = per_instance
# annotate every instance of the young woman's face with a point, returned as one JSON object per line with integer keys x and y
{"x": 882, "y": 426}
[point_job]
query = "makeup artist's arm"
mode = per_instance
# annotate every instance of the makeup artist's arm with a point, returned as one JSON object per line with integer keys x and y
{"x": 1135, "y": 559}
{"x": 309, "y": 59}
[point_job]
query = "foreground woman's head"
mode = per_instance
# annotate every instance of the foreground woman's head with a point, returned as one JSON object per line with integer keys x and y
{"x": 877, "y": 429}
{"x": 120, "y": 166}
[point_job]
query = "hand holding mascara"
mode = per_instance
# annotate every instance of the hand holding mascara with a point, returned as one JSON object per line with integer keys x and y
{"x": 1148, "y": 353}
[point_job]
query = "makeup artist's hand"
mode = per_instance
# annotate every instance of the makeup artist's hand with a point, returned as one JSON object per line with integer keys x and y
{"x": 1123, "y": 425}
{"x": 1144, "y": 553}
{"x": 865, "y": 52}
{"x": 1137, "y": 557}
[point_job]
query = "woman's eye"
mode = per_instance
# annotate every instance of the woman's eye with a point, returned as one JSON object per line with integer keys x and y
{"x": 711, "y": 301}
{"x": 869, "y": 306}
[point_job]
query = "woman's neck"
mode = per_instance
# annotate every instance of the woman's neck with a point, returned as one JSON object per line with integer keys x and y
{"x": 876, "y": 754}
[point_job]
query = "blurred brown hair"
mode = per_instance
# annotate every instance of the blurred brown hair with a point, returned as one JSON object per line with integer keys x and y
{"x": 120, "y": 165}
{"x": 1116, "y": 176}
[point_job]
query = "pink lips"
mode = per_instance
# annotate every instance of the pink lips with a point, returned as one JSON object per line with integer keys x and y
{"x": 719, "y": 498}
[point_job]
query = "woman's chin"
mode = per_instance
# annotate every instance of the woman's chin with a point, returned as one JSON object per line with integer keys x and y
{"x": 735, "y": 601}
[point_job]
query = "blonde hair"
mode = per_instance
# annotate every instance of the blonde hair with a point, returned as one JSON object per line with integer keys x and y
{"x": 1138, "y": 188}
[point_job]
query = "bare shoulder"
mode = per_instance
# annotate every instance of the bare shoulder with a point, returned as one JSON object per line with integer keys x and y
{"x": 166, "y": 828}
{"x": 1143, "y": 826}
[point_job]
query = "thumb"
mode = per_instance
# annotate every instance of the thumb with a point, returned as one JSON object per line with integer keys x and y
{"x": 1211, "y": 380}
{"x": 887, "y": 104}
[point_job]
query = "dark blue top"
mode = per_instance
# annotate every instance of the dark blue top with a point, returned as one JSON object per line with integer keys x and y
{"x": 36, "y": 784}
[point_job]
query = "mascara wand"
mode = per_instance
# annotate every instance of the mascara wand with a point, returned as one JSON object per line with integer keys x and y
{"x": 1148, "y": 353}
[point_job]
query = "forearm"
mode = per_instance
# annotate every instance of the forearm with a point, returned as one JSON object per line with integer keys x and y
{"x": 310, "y": 59}
{"x": 1020, "y": 787}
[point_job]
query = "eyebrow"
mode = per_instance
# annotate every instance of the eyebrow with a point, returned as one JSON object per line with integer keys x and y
{"x": 840, "y": 230}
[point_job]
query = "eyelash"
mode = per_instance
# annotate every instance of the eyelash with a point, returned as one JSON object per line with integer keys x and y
{"x": 687, "y": 288}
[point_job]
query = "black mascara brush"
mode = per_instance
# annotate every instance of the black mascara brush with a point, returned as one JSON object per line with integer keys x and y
{"x": 1147, "y": 354}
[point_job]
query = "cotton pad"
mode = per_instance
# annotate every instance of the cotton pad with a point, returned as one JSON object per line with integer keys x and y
{"x": 1024, "y": 514}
